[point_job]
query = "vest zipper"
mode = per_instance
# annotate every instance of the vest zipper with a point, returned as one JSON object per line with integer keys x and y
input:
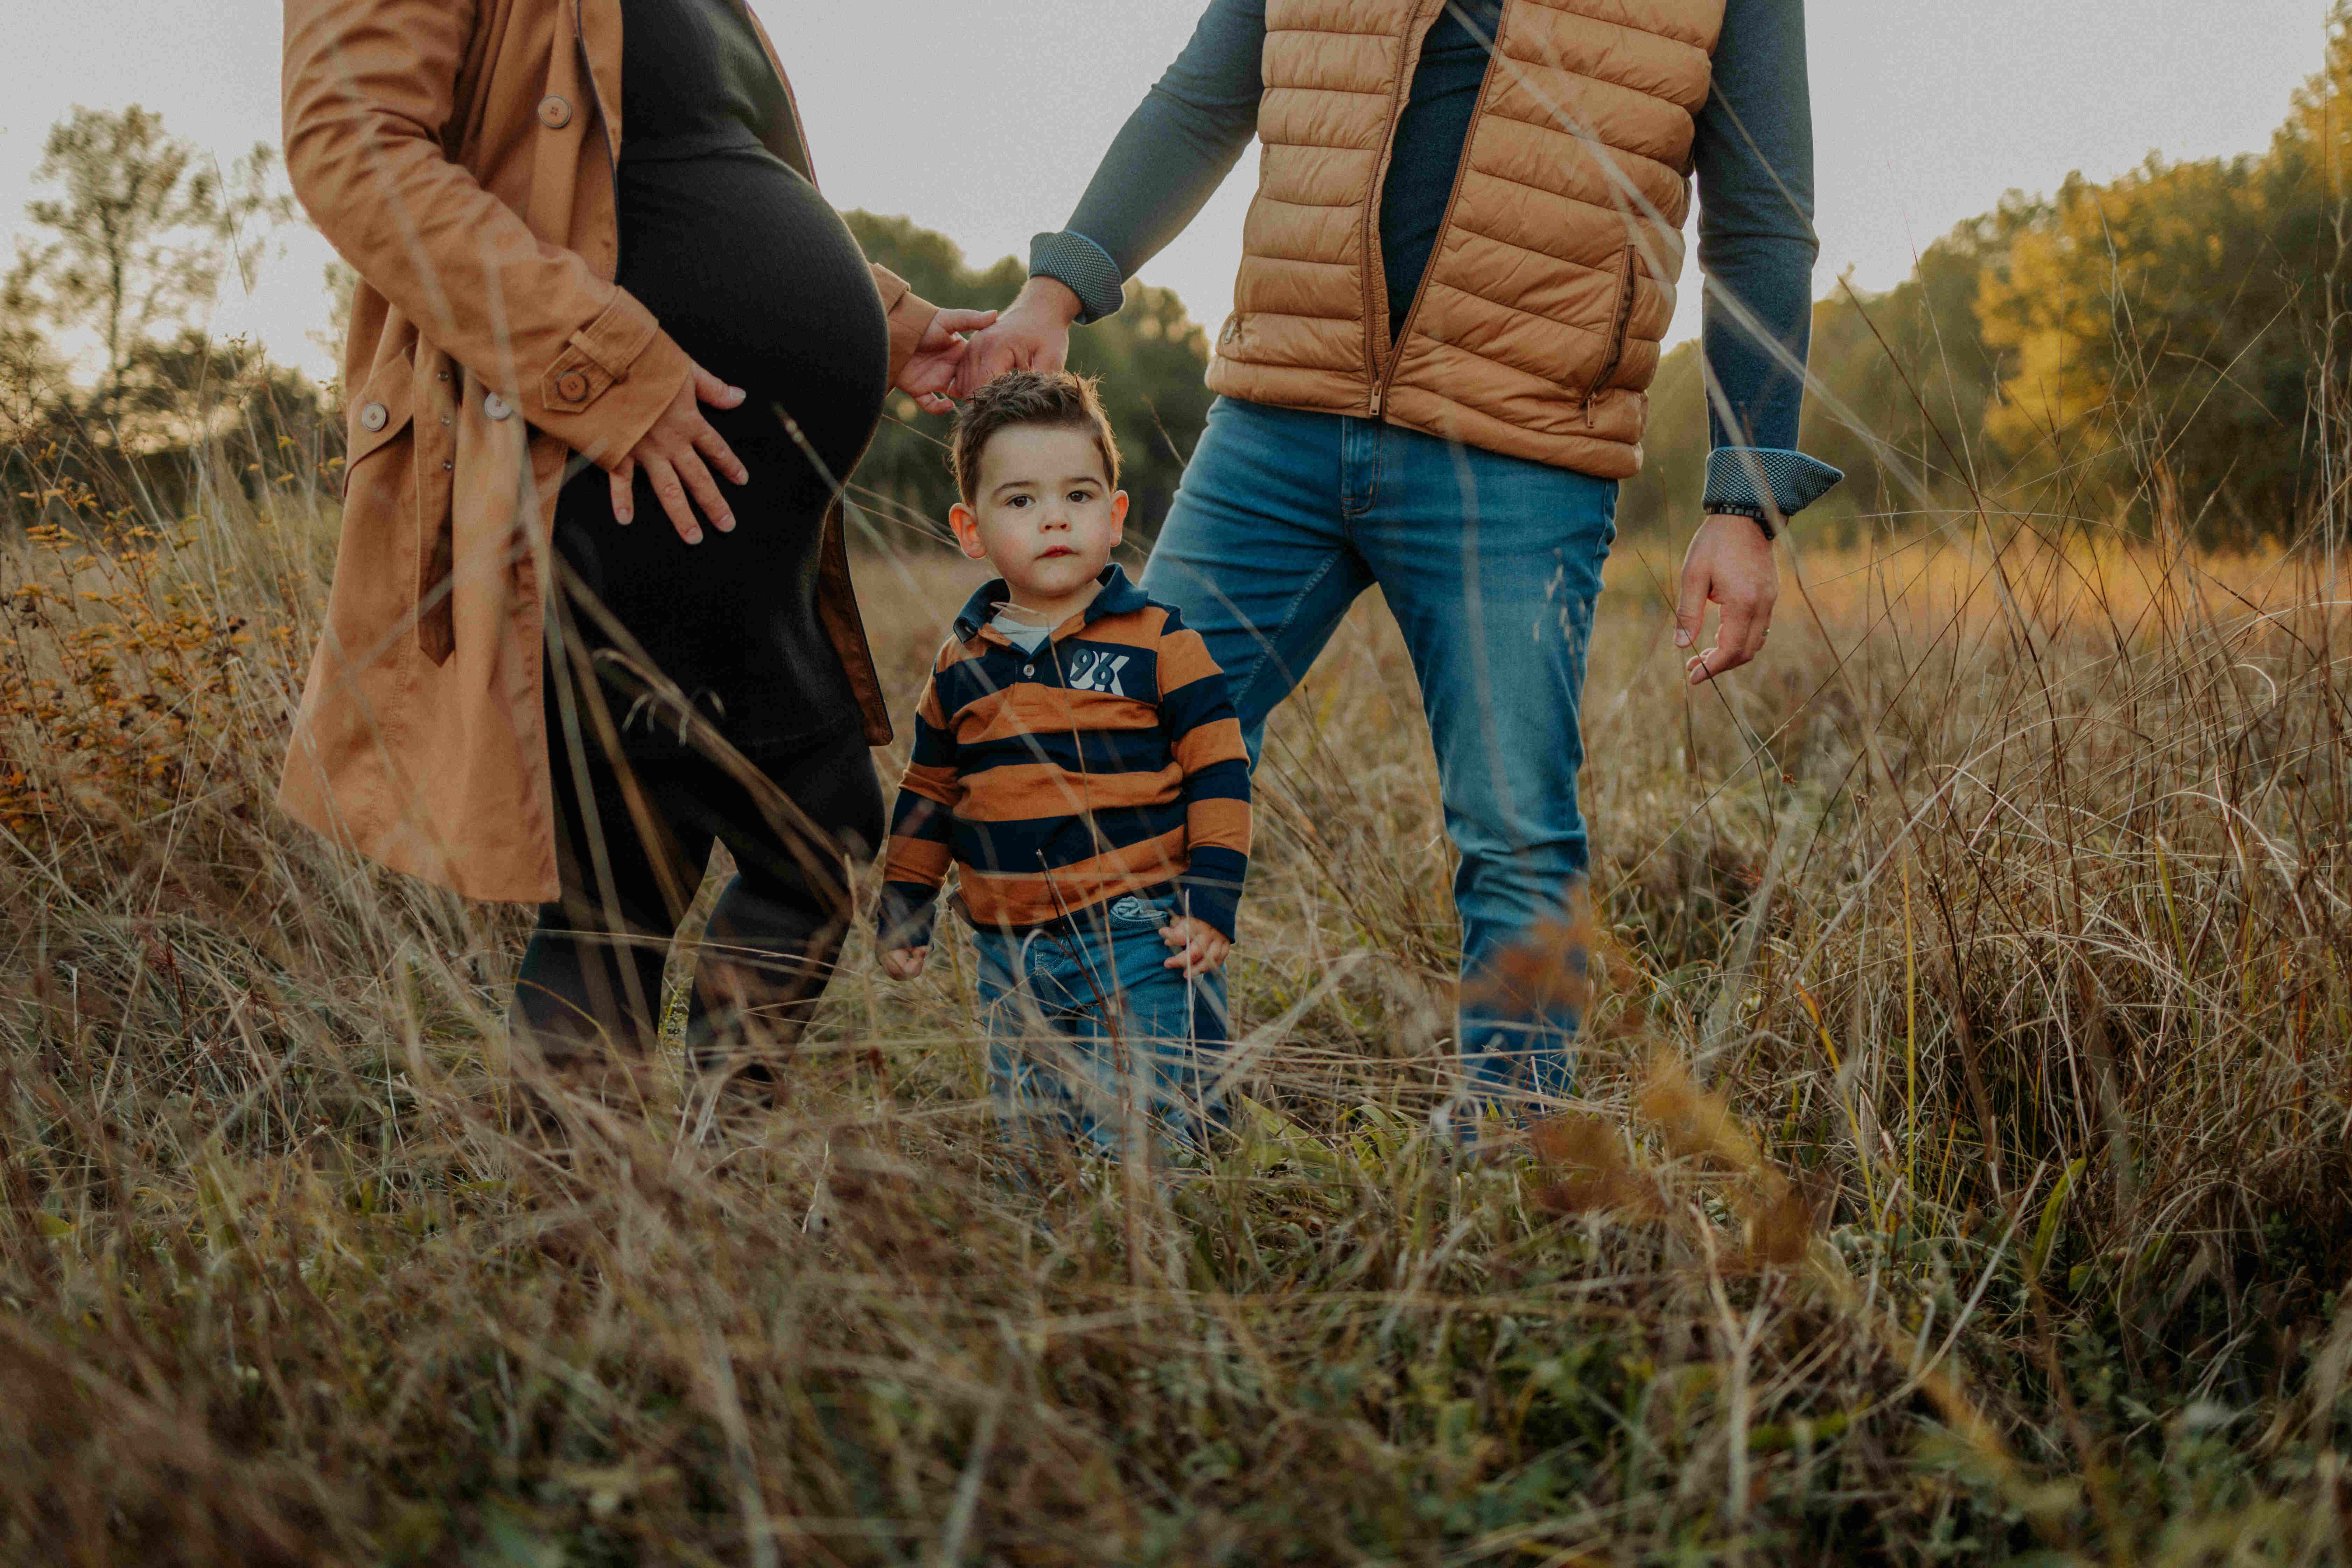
{"x": 1437, "y": 249}
{"x": 1621, "y": 323}
{"x": 1376, "y": 310}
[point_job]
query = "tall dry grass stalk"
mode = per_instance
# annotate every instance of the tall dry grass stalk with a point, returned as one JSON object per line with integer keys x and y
{"x": 1960, "y": 1171}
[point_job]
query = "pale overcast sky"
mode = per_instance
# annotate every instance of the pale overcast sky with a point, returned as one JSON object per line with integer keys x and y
{"x": 984, "y": 119}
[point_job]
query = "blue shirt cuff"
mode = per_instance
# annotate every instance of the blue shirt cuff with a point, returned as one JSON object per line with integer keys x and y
{"x": 1218, "y": 904}
{"x": 1087, "y": 267}
{"x": 1212, "y": 886}
{"x": 1764, "y": 482}
{"x": 906, "y": 916}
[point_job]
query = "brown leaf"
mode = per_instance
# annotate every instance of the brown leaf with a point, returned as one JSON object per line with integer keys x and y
{"x": 1781, "y": 1227}
{"x": 1593, "y": 1175}
{"x": 1584, "y": 1142}
{"x": 1548, "y": 968}
{"x": 1697, "y": 1124}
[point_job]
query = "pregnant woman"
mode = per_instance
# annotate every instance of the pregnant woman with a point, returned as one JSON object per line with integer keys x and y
{"x": 612, "y": 358}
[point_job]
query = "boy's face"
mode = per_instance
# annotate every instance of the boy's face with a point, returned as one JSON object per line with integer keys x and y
{"x": 1044, "y": 513}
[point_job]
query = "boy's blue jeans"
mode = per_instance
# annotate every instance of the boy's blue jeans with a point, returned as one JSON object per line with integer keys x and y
{"x": 1491, "y": 565}
{"x": 1089, "y": 1033}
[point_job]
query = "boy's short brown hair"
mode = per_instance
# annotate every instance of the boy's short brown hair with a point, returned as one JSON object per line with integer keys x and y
{"x": 1053, "y": 398}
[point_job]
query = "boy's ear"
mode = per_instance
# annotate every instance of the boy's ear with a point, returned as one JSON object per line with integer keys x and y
{"x": 1118, "y": 510}
{"x": 966, "y": 524}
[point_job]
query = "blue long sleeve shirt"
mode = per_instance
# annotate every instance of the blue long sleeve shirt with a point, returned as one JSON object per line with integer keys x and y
{"x": 1753, "y": 156}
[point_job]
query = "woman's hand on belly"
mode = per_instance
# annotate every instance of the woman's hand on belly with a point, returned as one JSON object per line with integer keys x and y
{"x": 678, "y": 455}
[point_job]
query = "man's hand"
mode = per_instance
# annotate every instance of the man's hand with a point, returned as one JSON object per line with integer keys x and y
{"x": 1200, "y": 946}
{"x": 904, "y": 963}
{"x": 672, "y": 454}
{"x": 931, "y": 369}
{"x": 1034, "y": 333}
{"x": 1731, "y": 562}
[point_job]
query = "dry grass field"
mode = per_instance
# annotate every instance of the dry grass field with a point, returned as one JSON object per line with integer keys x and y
{"x": 1962, "y": 1172}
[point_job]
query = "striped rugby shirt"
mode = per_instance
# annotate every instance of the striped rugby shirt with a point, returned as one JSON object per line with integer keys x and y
{"x": 1109, "y": 760}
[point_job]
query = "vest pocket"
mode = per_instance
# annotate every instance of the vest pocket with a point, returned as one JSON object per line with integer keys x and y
{"x": 1621, "y": 323}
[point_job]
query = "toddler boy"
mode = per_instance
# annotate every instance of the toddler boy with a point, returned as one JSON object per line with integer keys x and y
{"x": 1077, "y": 760}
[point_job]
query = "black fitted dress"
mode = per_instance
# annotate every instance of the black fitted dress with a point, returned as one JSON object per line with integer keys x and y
{"x": 750, "y": 270}
{"x": 757, "y": 278}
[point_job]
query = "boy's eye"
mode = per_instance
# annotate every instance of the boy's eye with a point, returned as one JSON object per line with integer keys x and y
{"x": 1016, "y": 501}
{"x": 1082, "y": 495}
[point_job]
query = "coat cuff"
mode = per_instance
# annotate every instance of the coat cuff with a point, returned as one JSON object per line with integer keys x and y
{"x": 615, "y": 378}
{"x": 909, "y": 315}
{"x": 1767, "y": 483}
{"x": 1084, "y": 268}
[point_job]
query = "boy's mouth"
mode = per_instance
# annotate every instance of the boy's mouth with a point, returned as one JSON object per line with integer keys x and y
{"x": 1055, "y": 550}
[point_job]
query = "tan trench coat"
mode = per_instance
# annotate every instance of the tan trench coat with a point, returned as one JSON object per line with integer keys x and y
{"x": 460, "y": 156}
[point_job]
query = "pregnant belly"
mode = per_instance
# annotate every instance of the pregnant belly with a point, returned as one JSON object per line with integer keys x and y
{"x": 760, "y": 281}
{"x": 756, "y": 277}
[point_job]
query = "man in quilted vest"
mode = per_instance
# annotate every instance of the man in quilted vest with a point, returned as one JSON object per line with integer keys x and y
{"x": 1455, "y": 276}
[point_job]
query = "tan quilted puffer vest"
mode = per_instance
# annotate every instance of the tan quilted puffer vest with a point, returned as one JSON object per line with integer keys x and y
{"x": 1538, "y": 325}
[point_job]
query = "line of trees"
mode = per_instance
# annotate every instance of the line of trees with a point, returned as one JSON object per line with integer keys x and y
{"x": 2165, "y": 349}
{"x": 137, "y": 229}
{"x": 128, "y": 252}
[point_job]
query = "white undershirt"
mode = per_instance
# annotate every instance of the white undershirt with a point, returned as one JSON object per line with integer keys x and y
{"x": 1026, "y": 636}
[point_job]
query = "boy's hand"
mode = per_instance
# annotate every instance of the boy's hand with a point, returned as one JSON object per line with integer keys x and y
{"x": 938, "y": 356}
{"x": 1200, "y": 946}
{"x": 904, "y": 963}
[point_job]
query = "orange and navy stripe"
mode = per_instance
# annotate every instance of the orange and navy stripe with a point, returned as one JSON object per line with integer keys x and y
{"x": 1109, "y": 761}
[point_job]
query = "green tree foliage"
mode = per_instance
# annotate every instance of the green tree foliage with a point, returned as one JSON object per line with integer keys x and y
{"x": 2165, "y": 348}
{"x": 31, "y": 378}
{"x": 137, "y": 237}
{"x": 108, "y": 373}
{"x": 1901, "y": 380}
{"x": 2152, "y": 334}
{"x": 1905, "y": 378}
{"x": 1151, "y": 356}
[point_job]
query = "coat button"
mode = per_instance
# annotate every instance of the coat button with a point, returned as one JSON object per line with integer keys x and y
{"x": 572, "y": 385}
{"x": 374, "y": 416}
{"x": 554, "y": 113}
{"x": 496, "y": 408}
{"x": 1028, "y": 670}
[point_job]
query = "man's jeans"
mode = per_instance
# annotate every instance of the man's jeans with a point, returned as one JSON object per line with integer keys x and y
{"x": 1491, "y": 565}
{"x": 1091, "y": 1033}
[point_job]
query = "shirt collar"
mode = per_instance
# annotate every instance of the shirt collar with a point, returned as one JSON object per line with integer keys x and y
{"x": 1119, "y": 596}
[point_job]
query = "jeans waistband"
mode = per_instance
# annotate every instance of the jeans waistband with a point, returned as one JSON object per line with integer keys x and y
{"x": 1086, "y": 919}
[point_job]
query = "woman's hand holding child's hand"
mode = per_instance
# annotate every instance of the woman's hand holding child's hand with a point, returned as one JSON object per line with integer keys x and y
{"x": 938, "y": 358}
{"x": 904, "y": 963}
{"x": 1200, "y": 946}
